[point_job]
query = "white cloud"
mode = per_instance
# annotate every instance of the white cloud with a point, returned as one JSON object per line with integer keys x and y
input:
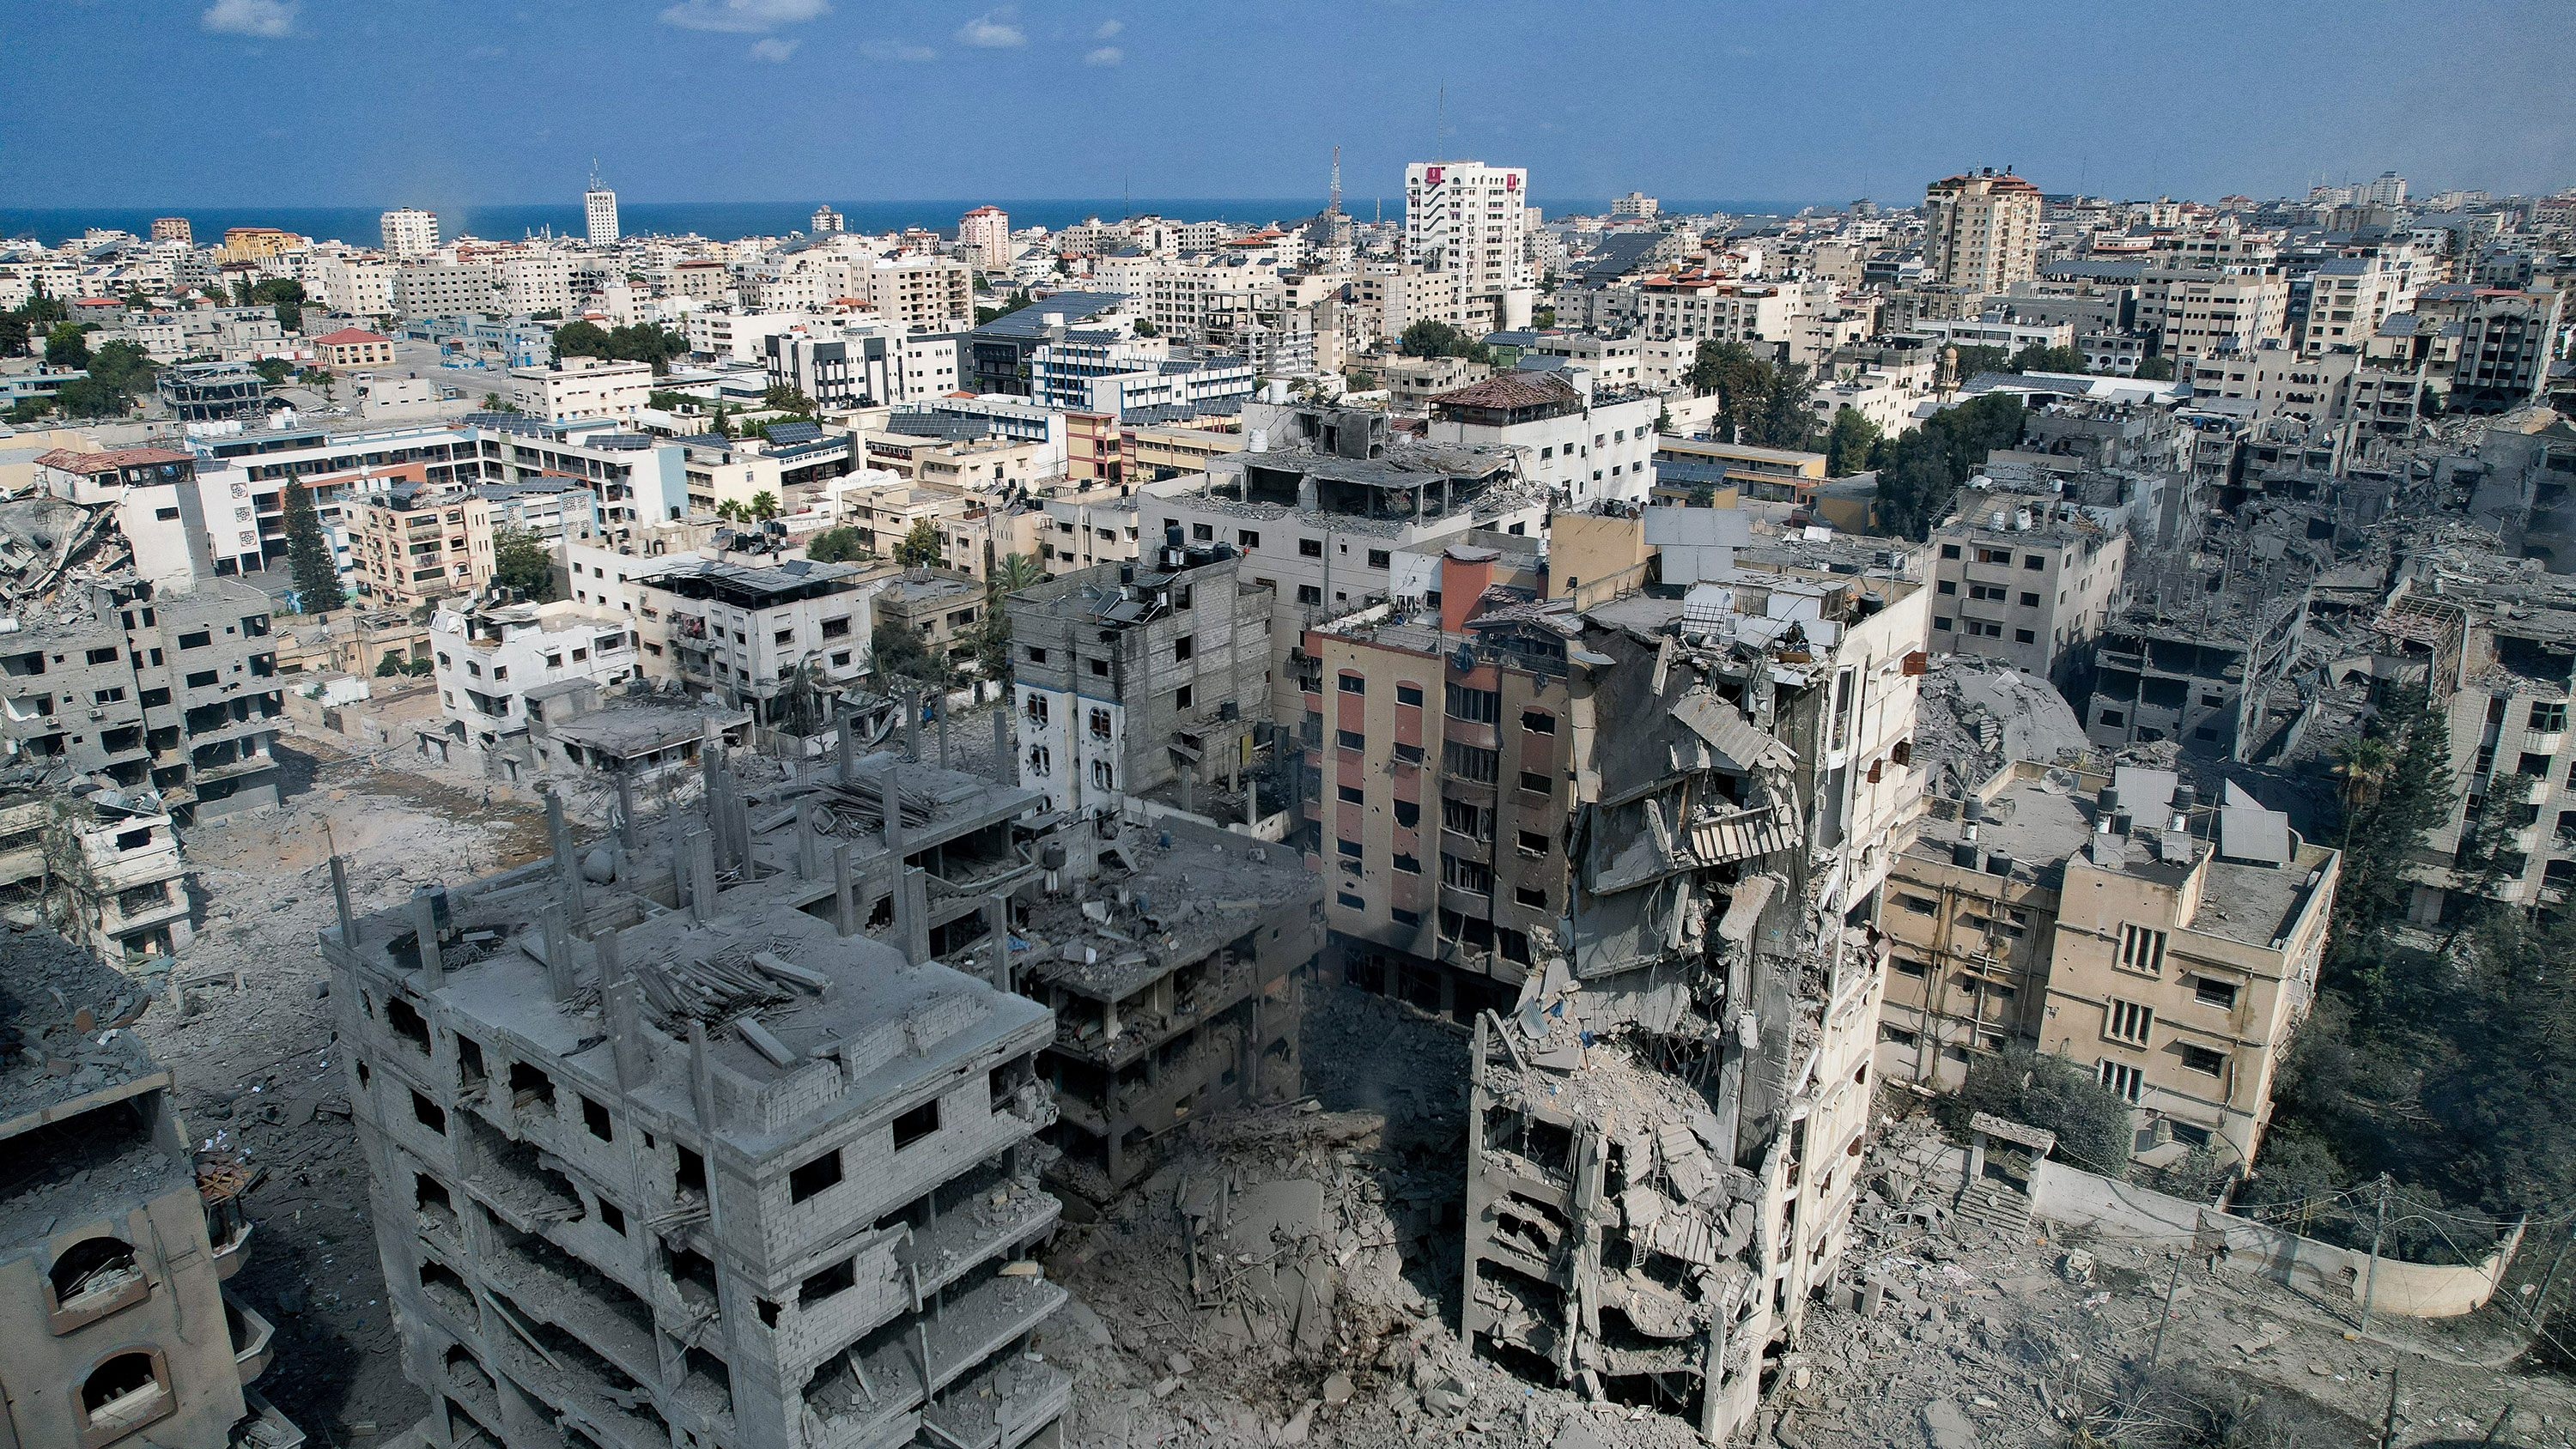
{"x": 774, "y": 49}
{"x": 896, "y": 50}
{"x": 1105, "y": 55}
{"x": 266, "y": 19}
{"x": 743, "y": 17}
{"x": 1109, "y": 29}
{"x": 992, "y": 30}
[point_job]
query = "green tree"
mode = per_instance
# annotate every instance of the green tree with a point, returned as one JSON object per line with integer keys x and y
{"x": 903, "y": 656}
{"x": 1787, "y": 417}
{"x": 136, "y": 301}
{"x": 2156, "y": 369}
{"x": 125, "y": 366}
{"x": 764, "y": 505}
{"x": 780, "y": 398}
{"x": 273, "y": 370}
{"x": 581, "y": 339}
{"x": 308, "y": 554}
{"x": 1360, "y": 379}
{"x": 2091, "y": 1121}
{"x": 67, "y": 346}
{"x": 1848, "y": 442}
{"x": 1146, "y": 328}
{"x": 1543, "y": 317}
{"x": 2036, "y": 358}
{"x": 522, "y": 563}
{"x": 835, "y": 545}
{"x": 388, "y": 667}
{"x": 493, "y": 402}
{"x": 1922, "y": 470}
{"x": 729, "y": 510}
{"x": 1974, "y": 360}
{"x": 920, "y": 547}
{"x": 1017, "y": 571}
{"x": 286, "y": 297}
{"x": 1009, "y": 305}
{"x": 1432, "y": 337}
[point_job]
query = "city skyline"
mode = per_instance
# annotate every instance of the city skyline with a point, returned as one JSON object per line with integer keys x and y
{"x": 1111, "y": 98}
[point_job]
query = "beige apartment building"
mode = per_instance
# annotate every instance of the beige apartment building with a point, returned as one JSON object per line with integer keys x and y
{"x": 2025, "y": 578}
{"x": 2168, "y": 945}
{"x": 1981, "y": 231}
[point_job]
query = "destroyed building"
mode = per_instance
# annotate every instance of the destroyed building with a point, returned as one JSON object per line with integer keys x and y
{"x": 1177, "y": 986}
{"x": 1148, "y": 678}
{"x": 102, "y": 866}
{"x": 667, "y": 1148}
{"x": 2493, "y": 640}
{"x": 2165, "y": 944}
{"x": 116, "y": 1237}
{"x": 1669, "y": 1121}
{"x": 2206, "y": 641}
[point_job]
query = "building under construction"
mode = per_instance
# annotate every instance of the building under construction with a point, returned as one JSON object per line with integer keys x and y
{"x": 689, "y": 1140}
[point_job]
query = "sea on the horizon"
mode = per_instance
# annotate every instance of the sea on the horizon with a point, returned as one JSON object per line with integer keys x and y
{"x": 729, "y": 220}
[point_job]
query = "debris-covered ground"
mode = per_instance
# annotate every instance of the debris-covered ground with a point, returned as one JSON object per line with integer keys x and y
{"x": 256, "y": 1075}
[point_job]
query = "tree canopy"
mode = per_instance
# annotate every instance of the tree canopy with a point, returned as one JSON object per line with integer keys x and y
{"x": 308, "y": 554}
{"x": 1760, "y": 402}
{"x": 836, "y": 545}
{"x": 639, "y": 342}
{"x": 1848, "y": 443}
{"x": 522, "y": 562}
{"x": 1919, "y": 472}
{"x": 919, "y": 548}
{"x": 903, "y": 656}
{"x": 1432, "y": 337}
{"x": 2091, "y": 1121}
{"x": 120, "y": 372}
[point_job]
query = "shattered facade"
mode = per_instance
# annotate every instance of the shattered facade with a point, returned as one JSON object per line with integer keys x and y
{"x": 667, "y": 1148}
{"x": 1668, "y": 1125}
{"x": 1176, "y": 984}
{"x": 115, "y": 1239}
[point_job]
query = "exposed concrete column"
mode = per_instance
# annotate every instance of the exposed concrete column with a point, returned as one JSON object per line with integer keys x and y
{"x": 912, "y": 723}
{"x": 1002, "y": 738}
{"x": 890, "y": 802}
{"x": 1976, "y": 1160}
{"x": 997, "y": 926}
{"x": 625, "y": 1021}
{"x": 702, "y": 875}
{"x": 912, "y": 914}
{"x": 558, "y": 951}
{"x": 809, "y": 842}
{"x": 340, "y": 899}
{"x": 845, "y": 892}
{"x": 424, "y": 924}
{"x": 628, "y": 835}
{"x": 702, "y": 1090}
{"x": 567, "y": 861}
{"x": 943, "y": 734}
{"x": 847, "y": 746}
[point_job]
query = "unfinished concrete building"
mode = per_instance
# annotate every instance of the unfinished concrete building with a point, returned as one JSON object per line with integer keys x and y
{"x": 1177, "y": 987}
{"x": 1670, "y": 1120}
{"x": 101, "y": 866}
{"x": 115, "y": 1239}
{"x": 1149, "y": 678}
{"x": 172, "y": 693}
{"x": 2205, "y": 643}
{"x": 668, "y": 1152}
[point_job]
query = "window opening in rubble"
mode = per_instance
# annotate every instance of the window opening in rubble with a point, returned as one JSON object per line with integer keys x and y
{"x": 125, "y": 1390}
{"x": 407, "y": 1022}
{"x": 531, "y": 1090}
{"x": 691, "y": 1175}
{"x": 429, "y": 1197}
{"x": 92, "y": 1267}
{"x": 469, "y": 1063}
{"x": 689, "y": 1269}
{"x": 839, "y": 1278}
{"x": 813, "y": 1177}
{"x": 919, "y": 1123}
{"x": 595, "y": 1118}
{"x": 428, "y": 1113}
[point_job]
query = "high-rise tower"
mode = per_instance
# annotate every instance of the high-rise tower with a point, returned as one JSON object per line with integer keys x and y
{"x": 600, "y": 205}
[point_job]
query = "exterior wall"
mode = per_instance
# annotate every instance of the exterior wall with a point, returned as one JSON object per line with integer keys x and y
{"x": 1604, "y": 452}
{"x": 1968, "y": 970}
{"x": 2045, "y": 616}
{"x": 484, "y": 676}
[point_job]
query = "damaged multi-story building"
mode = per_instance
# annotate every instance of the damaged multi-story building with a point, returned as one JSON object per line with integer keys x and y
{"x": 1669, "y": 1119}
{"x": 1147, "y": 678}
{"x": 102, "y": 866}
{"x": 116, "y": 1239}
{"x": 669, "y": 1147}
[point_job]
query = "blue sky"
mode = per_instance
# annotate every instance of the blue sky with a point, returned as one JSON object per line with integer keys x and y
{"x": 450, "y": 102}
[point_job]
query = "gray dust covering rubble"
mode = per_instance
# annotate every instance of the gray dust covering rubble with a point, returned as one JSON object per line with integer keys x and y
{"x": 1976, "y": 714}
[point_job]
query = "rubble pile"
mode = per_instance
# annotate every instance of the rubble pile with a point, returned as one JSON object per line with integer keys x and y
{"x": 1975, "y": 714}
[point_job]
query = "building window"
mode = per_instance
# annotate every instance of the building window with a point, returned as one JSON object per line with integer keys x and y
{"x": 2035, "y": 561}
{"x": 2549, "y": 718}
{"x": 2142, "y": 949}
{"x": 1949, "y": 550}
{"x": 2221, "y": 994}
{"x": 1037, "y": 709}
{"x": 1478, "y": 706}
{"x": 1532, "y": 897}
{"x": 1945, "y": 586}
{"x": 1920, "y": 905}
{"x": 1408, "y": 813}
{"x": 2123, "y": 1078}
{"x": 2023, "y": 636}
{"x": 2030, "y": 601}
{"x": 1410, "y": 865}
{"x": 1351, "y": 794}
{"x": 1379, "y": 558}
{"x": 1408, "y": 694}
{"x": 1185, "y": 647}
{"x": 2128, "y": 1021}
{"x": 1941, "y": 624}
{"x": 1467, "y": 762}
{"x": 1350, "y": 740}
{"x": 1535, "y": 782}
{"x": 1466, "y": 875}
{"x": 2202, "y": 1060}
{"x": 1246, "y": 538}
{"x": 1310, "y": 594}
{"x": 1310, "y": 548}
{"x": 1538, "y": 722}
{"x": 1353, "y": 683}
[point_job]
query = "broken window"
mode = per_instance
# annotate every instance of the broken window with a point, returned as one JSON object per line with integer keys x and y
{"x": 407, "y": 1022}
{"x": 839, "y": 1278}
{"x": 595, "y": 1117}
{"x": 1479, "y": 706}
{"x": 1467, "y": 762}
{"x": 913, "y": 1126}
{"x": 803, "y": 1182}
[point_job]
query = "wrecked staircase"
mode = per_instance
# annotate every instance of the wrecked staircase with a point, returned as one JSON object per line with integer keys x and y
{"x": 1996, "y": 1205}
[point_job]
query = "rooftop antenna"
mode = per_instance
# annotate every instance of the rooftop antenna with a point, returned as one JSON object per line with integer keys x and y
{"x": 594, "y": 175}
{"x": 1440, "y": 123}
{"x": 1334, "y": 206}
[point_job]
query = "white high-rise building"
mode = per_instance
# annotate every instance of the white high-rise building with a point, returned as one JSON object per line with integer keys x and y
{"x": 2388, "y": 190}
{"x": 987, "y": 230}
{"x": 1471, "y": 222}
{"x": 1635, "y": 203}
{"x": 826, "y": 222}
{"x": 409, "y": 231}
{"x": 599, "y": 204}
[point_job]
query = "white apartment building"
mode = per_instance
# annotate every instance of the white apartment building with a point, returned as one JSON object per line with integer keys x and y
{"x": 357, "y": 286}
{"x": 2348, "y": 297}
{"x": 744, "y": 635}
{"x": 495, "y": 667}
{"x": 1706, "y": 310}
{"x": 1981, "y": 232}
{"x": 2024, "y": 578}
{"x": 1589, "y": 451}
{"x": 409, "y": 232}
{"x": 443, "y": 289}
{"x": 535, "y": 281}
{"x": 1637, "y": 204}
{"x": 599, "y": 208}
{"x": 986, "y": 234}
{"x": 581, "y": 387}
{"x": 1471, "y": 223}
{"x": 2281, "y": 383}
{"x": 729, "y": 336}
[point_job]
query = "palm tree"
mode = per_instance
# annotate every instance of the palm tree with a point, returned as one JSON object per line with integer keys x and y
{"x": 764, "y": 504}
{"x": 1016, "y": 572}
{"x": 2363, "y": 761}
{"x": 729, "y": 511}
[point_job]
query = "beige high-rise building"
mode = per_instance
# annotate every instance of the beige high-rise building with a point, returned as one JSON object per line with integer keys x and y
{"x": 409, "y": 231}
{"x": 1981, "y": 232}
{"x": 987, "y": 229}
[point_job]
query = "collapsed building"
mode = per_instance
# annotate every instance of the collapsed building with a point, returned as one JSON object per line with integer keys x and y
{"x": 1668, "y": 1121}
{"x": 102, "y": 867}
{"x": 116, "y": 1237}
{"x": 691, "y": 1138}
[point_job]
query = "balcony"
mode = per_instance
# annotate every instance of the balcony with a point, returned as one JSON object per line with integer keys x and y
{"x": 254, "y": 1340}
